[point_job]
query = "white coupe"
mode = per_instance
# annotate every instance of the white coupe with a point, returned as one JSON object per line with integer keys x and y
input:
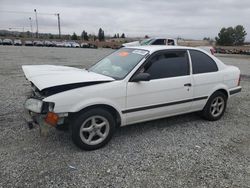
{"x": 131, "y": 85}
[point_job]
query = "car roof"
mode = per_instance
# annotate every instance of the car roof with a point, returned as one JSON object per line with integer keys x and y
{"x": 153, "y": 48}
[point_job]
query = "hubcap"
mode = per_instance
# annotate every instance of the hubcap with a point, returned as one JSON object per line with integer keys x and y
{"x": 94, "y": 130}
{"x": 217, "y": 106}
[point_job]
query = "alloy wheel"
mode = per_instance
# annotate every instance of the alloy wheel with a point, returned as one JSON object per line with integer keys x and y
{"x": 94, "y": 130}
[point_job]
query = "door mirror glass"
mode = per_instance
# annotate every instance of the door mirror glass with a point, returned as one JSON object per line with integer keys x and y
{"x": 141, "y": 77}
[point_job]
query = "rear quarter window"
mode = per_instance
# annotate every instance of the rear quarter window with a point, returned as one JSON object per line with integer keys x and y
{"x": 202, "y": 63}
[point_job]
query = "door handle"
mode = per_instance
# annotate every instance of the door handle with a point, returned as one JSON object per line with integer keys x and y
{"x": 188, "y": 84}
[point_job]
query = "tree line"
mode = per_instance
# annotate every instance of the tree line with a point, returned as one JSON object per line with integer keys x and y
{"x": 231, "y": 36}
{"x": 101, "y": 36}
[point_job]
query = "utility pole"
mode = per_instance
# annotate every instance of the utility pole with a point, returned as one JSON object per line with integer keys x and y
{"x": 31, "y": 28}
{"x": 37, "y": 35}
{"x": 59, "y": 25}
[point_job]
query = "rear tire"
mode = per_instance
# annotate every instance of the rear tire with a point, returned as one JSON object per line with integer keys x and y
{"x": 215, "y": 107}
{"x": 93, "y": 129}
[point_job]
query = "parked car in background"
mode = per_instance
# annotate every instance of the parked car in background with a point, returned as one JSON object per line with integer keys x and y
{"x": 17, "y": 42}
{"x": 84, "y": 45}
{"x": 209, "y": 49}
{"x": 54, "y": 43}
{"x": 1, "y": 41}
{"x": 88, "y": 45}
{"x": 28, "y": 43}
{"x": 48, "y": 43}
{"x": 57, "y": 44}
{"x": 74, "y": 45}
{"x": 93, "y": 46}
{"x": 131, "y": 85}
{"x": 152, "y": 41}
{"x": 7, "y": 42}
{"x": 67, "y": 44}
{"x": 38, "y": 43}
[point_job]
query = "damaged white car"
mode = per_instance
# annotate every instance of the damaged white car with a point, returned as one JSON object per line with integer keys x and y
{"x": 133, "y": 84}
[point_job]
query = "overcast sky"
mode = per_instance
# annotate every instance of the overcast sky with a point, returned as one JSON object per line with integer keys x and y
{"x": 192, "y": 19}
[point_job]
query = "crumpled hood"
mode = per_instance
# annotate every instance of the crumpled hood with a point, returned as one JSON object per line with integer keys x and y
{"x": 46, "y": 76}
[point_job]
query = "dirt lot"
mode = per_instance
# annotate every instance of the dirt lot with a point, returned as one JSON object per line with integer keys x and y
{"x": 183, "y": 151}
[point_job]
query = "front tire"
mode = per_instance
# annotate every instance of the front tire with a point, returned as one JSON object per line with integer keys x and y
{"x": 93, "y": 129}
{"x": 215, "y": 107}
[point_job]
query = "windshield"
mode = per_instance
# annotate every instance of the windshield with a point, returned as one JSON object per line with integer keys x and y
{"x": 146, "y": 41}
{"x": 118, "y": 64}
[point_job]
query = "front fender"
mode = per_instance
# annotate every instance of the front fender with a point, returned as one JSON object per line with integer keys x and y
{"x": 98, "y": 101}
{"x": 95, "y": 101}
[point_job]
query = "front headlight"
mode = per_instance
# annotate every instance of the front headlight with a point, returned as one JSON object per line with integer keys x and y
{"x": 33, "y": 105}
{"x": 47, "y": 107}
{"x": 38, "y": 106}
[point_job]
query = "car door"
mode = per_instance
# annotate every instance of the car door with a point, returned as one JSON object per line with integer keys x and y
{"x": 205, "y": 77}
{"x": 168, "y": 92}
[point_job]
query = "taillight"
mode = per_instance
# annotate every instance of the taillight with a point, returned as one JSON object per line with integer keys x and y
{"x": 212, "y": 51}
{"x": 239, "y": 80}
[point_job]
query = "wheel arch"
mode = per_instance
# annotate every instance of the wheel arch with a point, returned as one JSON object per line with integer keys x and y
{"x": 114, "y": 112}
{"x": 224, "y": 91}
{"x": 221, "y": 89}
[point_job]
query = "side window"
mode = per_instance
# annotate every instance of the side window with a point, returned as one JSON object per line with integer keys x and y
{"x": 159, "y": 42}
{"x": 171, "y": 42}
{"x": 168, "y": 64}
{"x": 202, "y": 63}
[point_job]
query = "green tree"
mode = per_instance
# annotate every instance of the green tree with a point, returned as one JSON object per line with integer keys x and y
{"x": 51, "y": 36}
{"x": 84, "y": 35}
{"x": 74, "y": 36}
{"x": 115, "y": 36}
{"x": 207, "y": 38}
{"x": 231, "y": 36}
{"x": 240, "y": 35}
{"x": 123, "y": 35}
{"x": 101, "y": 35}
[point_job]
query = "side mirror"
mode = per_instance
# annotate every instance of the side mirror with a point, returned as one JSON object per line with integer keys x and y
{"x": 141, "y": 77}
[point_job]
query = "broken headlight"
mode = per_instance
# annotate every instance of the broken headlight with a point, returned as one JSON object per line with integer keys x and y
{"x": 38, "y": 106}
{"x": 33, "y": 105}
{"x": 47, "y": 107}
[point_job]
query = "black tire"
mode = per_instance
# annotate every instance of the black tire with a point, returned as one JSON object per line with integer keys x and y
{"x": 207, "y": 112}
{"x": 78, "y": 136}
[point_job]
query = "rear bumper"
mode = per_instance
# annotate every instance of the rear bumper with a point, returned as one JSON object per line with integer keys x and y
{"x": 235, "y": 90}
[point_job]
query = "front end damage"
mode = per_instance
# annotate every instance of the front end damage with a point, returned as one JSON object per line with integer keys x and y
{"x": 48, "y": 80}
{"x": 39, "y": 112}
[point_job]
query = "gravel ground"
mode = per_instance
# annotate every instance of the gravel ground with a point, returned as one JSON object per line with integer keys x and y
{"x": 241, "y": 61}
{"x": 183, "y": 151}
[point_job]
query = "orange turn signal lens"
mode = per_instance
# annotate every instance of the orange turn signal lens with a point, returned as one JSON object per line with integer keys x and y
{"x": 51, "y": 118}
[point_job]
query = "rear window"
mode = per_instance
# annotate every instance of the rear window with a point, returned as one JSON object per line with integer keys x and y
{"x": 202, "y": 63}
